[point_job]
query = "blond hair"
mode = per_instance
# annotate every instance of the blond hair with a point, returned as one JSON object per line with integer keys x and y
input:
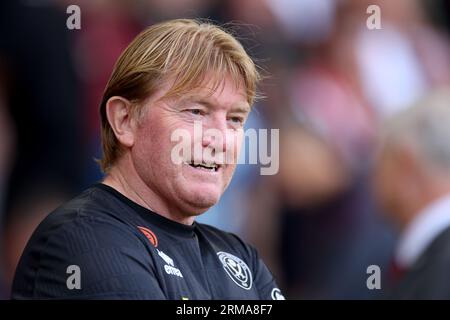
{"x": 183, "y": 50}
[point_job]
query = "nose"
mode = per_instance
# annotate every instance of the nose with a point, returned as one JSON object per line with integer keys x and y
{"x": 215, "y": 136}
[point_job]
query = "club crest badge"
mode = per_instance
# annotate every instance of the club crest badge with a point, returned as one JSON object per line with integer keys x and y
{"x": 236, "y": 269}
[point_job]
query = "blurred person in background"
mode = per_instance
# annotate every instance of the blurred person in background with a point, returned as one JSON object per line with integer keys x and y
{"x": 41, "y": 95}
{"x": 7, "y": 146}
{"x": 325, "y": 210}
{"x": 412, "y": 182}
{"x": 338, "y": 80}
{"x": 402, "y": 61}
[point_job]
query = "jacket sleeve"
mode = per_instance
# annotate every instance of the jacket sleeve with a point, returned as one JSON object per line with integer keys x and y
{"x": 264, "y": 280}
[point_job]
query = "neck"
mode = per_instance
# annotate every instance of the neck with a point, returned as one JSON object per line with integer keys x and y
{"x": 126, "y": 180}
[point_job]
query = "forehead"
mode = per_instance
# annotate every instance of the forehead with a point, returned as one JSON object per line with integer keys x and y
{"x": 212, "y": 91}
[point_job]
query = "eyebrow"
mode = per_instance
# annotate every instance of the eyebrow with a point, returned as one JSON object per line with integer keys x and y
{"x": 238, "y": 107}
{"x": 244, "y": 108}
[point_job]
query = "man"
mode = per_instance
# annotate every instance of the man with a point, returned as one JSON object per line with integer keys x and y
{"x": 133, "y": 236}
{"x": 412, "y": 180}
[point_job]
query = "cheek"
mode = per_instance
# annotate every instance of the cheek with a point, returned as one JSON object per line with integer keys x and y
{"x": 238, "y": 139}
{"x": 155, "y": 134}
{"x": 234, "y": 141}
{"x": 152, "y": 147}
{"x": 144, "y": 147}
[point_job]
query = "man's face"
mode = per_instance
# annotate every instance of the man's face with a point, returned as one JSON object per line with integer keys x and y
{"x": 391, "y": 183}
{"x": 195, "y": 184}
{"x": 384, "y": 180}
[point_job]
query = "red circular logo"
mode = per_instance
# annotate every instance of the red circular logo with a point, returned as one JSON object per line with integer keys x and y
{"x": 150, "y": 236}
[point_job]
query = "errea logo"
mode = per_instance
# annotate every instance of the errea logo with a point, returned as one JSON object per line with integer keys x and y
{"x": 170, "y": 266}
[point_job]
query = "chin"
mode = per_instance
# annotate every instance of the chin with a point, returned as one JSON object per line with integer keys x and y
{"x": 201, "y": 199}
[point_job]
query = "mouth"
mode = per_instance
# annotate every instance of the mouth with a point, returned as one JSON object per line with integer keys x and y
{"x": 210, "y": 167}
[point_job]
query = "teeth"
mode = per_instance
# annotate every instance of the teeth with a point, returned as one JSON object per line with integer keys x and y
{"x": 210, "y": 167}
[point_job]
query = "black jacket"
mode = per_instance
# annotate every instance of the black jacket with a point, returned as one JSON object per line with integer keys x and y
{"x": 429, "y": 277}
{"x": 120, "y": 250}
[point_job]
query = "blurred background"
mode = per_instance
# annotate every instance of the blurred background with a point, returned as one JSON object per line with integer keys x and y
{"x": 331, "y": 82}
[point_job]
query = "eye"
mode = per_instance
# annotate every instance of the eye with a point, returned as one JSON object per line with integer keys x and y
{"x": 237, "y": 120}
{"x": 195, "y": 111}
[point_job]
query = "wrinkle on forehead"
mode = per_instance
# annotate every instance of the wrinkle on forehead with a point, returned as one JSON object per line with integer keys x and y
{"x": 206, "y": 91}
{"x": 206, "y": 85}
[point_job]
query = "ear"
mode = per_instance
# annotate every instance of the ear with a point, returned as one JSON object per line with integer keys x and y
{"x": 118, "y": 112}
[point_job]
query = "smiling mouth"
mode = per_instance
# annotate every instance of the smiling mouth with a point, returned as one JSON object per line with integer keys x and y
{"x": 211, "y": 167}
